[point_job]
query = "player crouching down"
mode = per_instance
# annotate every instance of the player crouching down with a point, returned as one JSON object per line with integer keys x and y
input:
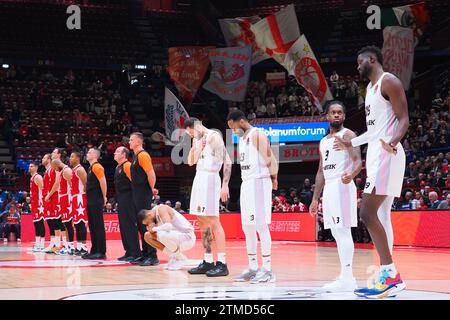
{"x": 169, "y": 232}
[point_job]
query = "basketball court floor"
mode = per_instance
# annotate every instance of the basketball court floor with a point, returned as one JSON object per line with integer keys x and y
{"x": 301, "y": 269}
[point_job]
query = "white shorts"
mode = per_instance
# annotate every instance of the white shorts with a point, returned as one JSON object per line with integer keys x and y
{"x": 339, "y": 204}
{"x": 256, "y": 201}
{"x": 385, "y": 171}
{"x": 205, "y": 194}
{"x": 184, "y": 240}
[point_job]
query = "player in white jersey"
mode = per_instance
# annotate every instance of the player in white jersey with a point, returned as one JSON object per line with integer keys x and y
{"x": 169, "y": 232}
{"x": 208, "y": 153}
{"x": 259, "y": 170}
{"x": 387, "y": 122}
{"x": 335, "y": 175}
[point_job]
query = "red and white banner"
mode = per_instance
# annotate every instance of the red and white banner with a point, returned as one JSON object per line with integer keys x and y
{"x": 237, "y": 33}
{"x": 174, "y": 116}
{"x": 276, "y": 79}
{"x": 187, "y": 68}
{"x": 305, "y": 152}
{"x": 276, "y": 33}
{"x": 398, "y": 53}
{"x": 301, "y": 62}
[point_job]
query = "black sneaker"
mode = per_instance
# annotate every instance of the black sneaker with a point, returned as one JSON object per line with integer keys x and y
{"x": 76, "y": 252}
{"x": 149, "y": 262}
{"x": 122, "y": 258}
{"x": 220, "y": 270}
{"x": 138, "y": 260}
{"x": 202, "y": 268}
{"x": 83, "y": 252}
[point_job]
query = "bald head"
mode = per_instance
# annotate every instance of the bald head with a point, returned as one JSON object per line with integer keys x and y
{"x": 57, "y": 164}
{"x": 121, "y": 155}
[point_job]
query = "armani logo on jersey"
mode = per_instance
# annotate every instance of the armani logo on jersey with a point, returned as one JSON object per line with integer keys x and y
{"x": 329, "y": 167}
{"x": 245, "y": 167}
{"x": 371, "y": 122}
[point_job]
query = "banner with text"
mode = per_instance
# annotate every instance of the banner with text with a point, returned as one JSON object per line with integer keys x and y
{"x": 292, "y": 132}
{"x": 398, "y": 53}
{"x": 187, "y": 68}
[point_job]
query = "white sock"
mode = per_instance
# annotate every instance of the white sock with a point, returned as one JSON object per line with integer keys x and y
{"x": 84, "y": 246}
{"x": 78, "y": 246}
{"x": 390, "y": 269}
{"x": 52, "y": 241}
{"x": 64, "y": 241}
{"x": 251, "y": 241}
{"x": 346, "y": 249}
{"x": 384, "y": 215}
{"x": 221, "y": 256}
{"x": 252, "y": 262}
{"x": 42, "y": 242}
{"x": 38, "y": 241}
{"x": 58, "y": 242}
{"x": 209, "y": 258}
{"x": 266, "y": 245}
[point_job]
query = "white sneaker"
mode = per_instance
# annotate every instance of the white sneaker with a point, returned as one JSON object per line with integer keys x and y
{"x": 341, "y": 285}
{"x": 246, "y": 276}
{"x": 263, "y": 276}
{"x": 169, "y": 262}
{"x": 49, "y": 249}
{"x": 5, "y": 240}
{"x": 35, "y": 249}
{"x": 19, "y": 241}
{"x": 177, "y": 263}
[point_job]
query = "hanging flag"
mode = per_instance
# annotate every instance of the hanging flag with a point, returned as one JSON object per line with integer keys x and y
{"x": 238, "y": 33}
{"x": 414, "y": 16}
{"x": 276, "y": 33}
{"x": 302, "y": 63}
{"x": 230, "y": 72}
{"x": 174, "y": 115}
{"x": 187, "y": 68}
{"x": 398, "y": 53}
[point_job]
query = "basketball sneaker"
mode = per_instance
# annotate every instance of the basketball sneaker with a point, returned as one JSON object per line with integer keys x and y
{"x": 341, "y": 285}
{"x": 246, "y": 276}
{"x": 386, "y": 286}
{"x": 49, "y": 249}
{"x": 220, "y": 270}
{"x": 263, "y": 276}
{"x": 177, "y": 262}
{"x": 202, "y": 268}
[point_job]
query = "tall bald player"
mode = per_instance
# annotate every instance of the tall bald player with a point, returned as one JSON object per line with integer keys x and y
{"x": 143, "y": 180}
{"x": 79, "y": 202}
{"x": 259, "y": 170}
{"x": 63, "y": 178}
{"x": 335, "y": 175}
{"x": 37, "y": 206}
{"x": 387, "y": 122}
{"x": 208, "y": 153}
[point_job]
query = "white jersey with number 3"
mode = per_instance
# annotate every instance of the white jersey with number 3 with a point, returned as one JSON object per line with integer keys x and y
{"x": 253, "y": 165}
{"x": 334, "y": 163}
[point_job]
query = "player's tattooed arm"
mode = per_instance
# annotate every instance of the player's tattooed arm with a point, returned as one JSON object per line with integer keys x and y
{"x": 355, "y": 155}
{"x": 207, "y": 240}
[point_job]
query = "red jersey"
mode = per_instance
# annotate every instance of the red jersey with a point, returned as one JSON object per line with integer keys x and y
{"x": 35, "y": 193}
{"x": 77, "y": 185}
{"x": 49, "y": 181}
{"x": 64, "y": 186}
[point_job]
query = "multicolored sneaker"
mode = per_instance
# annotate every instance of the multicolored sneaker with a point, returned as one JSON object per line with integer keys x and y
{"x": 385, "y": 286}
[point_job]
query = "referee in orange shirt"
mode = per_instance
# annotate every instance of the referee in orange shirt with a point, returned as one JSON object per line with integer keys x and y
{"x": 143, "y": 180}
{"x": 96, "y": 200}
{"x": 126, "y": 209}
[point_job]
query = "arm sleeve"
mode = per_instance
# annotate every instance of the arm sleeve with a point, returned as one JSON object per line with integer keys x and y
{"x": 360, "y": 140}
{"x": 127, "y": 169}
{"x": 99, "y": 171}
{"x": 145, "y": 161}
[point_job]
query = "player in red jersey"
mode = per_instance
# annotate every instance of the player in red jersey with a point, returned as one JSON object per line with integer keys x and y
{"x": 37, "y": 206}
{"x": 78, "y": 194}
{"x": 64, "y": 177}
{"x": 50, "y": 202}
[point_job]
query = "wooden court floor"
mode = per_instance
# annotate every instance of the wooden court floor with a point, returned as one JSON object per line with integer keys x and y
{"x": 301, "y": 269}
